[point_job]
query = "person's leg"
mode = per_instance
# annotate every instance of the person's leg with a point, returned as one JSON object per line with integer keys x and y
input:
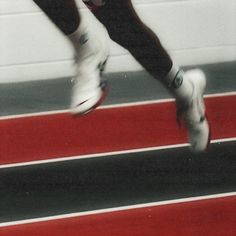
{"x": 89, "y": 39}
{"x": 126, "y": 28}
{"x": 64, "y": 14}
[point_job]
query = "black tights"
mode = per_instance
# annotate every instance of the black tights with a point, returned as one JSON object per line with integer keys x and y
{"x": 124, "y": 27}
{"x": 63, "y": 13}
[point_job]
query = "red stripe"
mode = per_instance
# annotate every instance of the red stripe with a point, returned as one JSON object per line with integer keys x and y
{"x": 215, "y": 217}
{"x": 105, "y": 130}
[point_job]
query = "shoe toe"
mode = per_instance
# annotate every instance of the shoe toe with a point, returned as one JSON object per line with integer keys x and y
{"x": 200, "y": 137}
{"x": 90, "y": 101}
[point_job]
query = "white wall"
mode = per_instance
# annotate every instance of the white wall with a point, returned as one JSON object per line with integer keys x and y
{"x": 194, "y": 32}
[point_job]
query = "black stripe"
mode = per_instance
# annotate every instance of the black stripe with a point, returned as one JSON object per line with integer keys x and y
{"x": 89, "y": 184}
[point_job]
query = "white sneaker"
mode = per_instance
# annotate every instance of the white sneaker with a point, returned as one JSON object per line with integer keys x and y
{"x": 92, "y": 52}
{"x": 192, "y": 112}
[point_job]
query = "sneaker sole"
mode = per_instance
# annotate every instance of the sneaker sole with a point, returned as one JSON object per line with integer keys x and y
{"x": 201, "y": 87}
{"x": 105, "y": 88}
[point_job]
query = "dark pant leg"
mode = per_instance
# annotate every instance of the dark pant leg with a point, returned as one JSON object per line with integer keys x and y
{"x": 126, "y": 28}
{"x": 63, "y": 13}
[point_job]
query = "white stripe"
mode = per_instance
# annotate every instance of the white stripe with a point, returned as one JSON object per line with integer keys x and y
{"x": 45, "y": 113}
{"x": 117, "y": 209}
{"x": 165, "y": 100}
{"x": 226, "y": 94}
{"x": 149, "y": 102}
{"x": 92, "y": 155}
{"x": 138, "y": 150}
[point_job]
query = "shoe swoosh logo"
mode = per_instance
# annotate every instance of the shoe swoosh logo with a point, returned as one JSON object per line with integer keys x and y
{"x": 82, "y": 102}
{"x": 200, "y": 110}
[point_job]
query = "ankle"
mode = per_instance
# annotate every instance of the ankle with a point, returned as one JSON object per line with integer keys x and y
{"x": 178, "y": 84}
